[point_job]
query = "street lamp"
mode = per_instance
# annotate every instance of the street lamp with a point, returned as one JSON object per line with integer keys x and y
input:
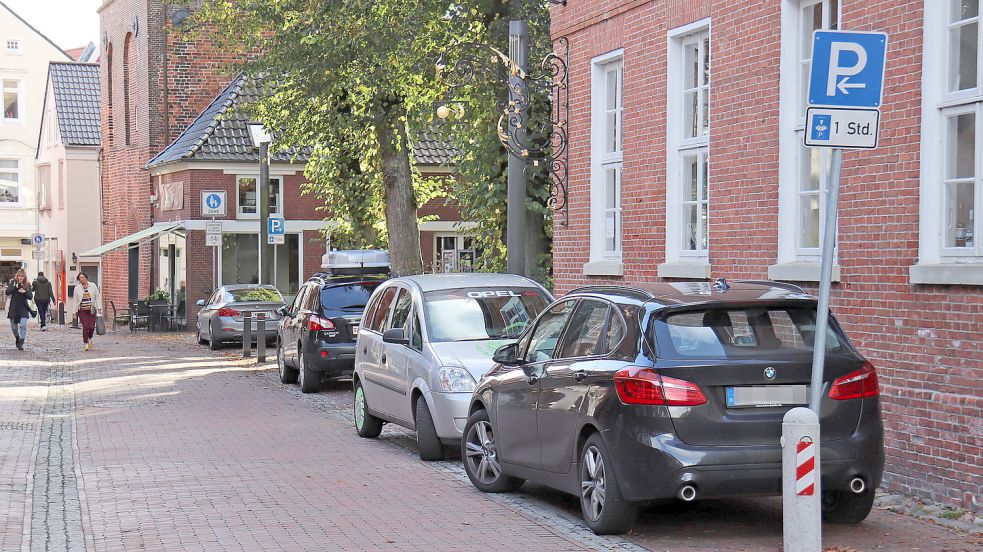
{"x": 470, "y": 59}
{"x": 261, "y": 139}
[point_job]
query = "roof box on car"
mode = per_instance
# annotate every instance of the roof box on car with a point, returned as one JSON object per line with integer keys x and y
{"x": 356, "y": 261}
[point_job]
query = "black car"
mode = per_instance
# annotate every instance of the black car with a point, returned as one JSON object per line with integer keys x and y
{"x": 316, "y": 337}
{"x": 625, "y": 395}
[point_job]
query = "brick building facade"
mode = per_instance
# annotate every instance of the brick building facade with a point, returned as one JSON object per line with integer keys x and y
{"x": 166, "y": 141}
{"x": 153, "y": 82}
{"x": 686, "y": 162}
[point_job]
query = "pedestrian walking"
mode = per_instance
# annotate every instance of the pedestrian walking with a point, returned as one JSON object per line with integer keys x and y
{"x": 43, "y": 294}
{"x": 87, "y": 305}
{"x": 18, "y": 312}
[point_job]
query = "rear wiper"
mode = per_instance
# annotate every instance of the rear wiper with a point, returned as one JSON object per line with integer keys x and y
{"x": 352, "y": 307}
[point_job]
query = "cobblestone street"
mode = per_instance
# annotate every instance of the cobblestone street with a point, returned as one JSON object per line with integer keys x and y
{"x": 153, "y": 443}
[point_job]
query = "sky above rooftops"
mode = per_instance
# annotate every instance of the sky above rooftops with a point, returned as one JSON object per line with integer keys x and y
{"x": 68, "y": 23}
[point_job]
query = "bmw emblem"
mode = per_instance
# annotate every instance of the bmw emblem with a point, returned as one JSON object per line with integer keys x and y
{"x": 770, "y": 373}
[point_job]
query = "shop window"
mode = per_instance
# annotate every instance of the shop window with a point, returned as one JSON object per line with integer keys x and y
{"x": 240, "y": 261}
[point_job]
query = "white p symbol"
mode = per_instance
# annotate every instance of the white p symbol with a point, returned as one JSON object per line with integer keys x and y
{"x": 836, "y": 71}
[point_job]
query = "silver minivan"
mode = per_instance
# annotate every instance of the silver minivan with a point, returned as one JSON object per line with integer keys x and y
{"x": 424, "y": 343}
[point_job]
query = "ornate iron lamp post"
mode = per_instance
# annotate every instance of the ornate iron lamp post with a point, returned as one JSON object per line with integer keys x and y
{"x": 513, "y": 123}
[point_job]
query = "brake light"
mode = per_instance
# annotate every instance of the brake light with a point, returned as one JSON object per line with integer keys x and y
{"x": 636, "y": 385}
{"x": 318, "y": 324}
{"x": 856, "y": 385}
{"x": 226, "y": 311}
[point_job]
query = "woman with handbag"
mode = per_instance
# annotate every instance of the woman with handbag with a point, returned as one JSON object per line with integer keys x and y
{"x": 87, "y": 305}
{"x": 18, "y": 312}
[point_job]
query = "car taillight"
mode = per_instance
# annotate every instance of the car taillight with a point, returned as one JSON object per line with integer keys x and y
{"x": 226, "y": 311}
{"x": 856, "y": 385}
{"x": 318, "y": 324}
{"x": 638, "y": 385}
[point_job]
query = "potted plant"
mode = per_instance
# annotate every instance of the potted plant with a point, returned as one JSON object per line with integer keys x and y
{"x": 158, "y": 297}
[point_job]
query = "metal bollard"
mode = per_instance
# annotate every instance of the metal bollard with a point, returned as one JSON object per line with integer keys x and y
{"x": 801, "y": 507}
{"x": 61, "y": 313}
{"x": 260, "y": 337}
{"x": 247, "y": 334}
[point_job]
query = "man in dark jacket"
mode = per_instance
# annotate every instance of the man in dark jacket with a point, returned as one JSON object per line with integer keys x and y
{"x": 43, "y": 294}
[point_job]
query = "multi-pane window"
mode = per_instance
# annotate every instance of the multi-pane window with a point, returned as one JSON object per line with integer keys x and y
{"x": 814, "y": 15}
{"x": 248, "y": 206}
{"x": 611, "y": 157}
{"x": 694, "y": 147}
{"x": 9, "y": 181}
{"x": 12, "y": 93}
{"x": 962, "y": 187}
{"x": 13, "y": 46}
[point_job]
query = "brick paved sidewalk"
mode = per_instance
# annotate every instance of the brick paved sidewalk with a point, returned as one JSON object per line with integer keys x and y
{"x": 150, "y": 442}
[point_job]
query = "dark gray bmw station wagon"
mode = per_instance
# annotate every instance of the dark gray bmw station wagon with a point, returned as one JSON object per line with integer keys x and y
{"x": 672, "y": 390}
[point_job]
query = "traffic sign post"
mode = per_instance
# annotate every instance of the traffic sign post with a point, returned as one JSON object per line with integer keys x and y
{"x": 845, "y": 95}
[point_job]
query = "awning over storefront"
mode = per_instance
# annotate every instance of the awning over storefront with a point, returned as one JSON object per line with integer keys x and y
{"x": 143, "y": 236}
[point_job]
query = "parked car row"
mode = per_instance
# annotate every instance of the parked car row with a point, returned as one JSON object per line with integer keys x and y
{"x": 619, "y": 395}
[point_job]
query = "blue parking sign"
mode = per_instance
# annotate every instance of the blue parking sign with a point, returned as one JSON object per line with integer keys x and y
{"x": 847, "y": 69}
{"x": 275, "y": 226}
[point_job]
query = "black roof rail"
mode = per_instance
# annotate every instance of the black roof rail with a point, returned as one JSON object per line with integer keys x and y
{"x": 638, "y": 293}
{"x": 772, "y": 283}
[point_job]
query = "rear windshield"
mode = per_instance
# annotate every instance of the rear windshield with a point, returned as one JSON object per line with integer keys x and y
{"x": 481, "y": 313}
{"x": 350, "y": 297}
{"x": 741, "y": 333}
{"x": 253, "y": 295}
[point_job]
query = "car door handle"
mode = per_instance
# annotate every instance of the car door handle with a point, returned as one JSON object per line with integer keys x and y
{"x": 580, "y": 376}
{"x": 365, "y": 350}
{"x": 383, "y": 358}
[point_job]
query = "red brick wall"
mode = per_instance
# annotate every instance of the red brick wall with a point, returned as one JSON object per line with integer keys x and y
{"x": 925, "y": 340}
{"x": 195, "y": 73}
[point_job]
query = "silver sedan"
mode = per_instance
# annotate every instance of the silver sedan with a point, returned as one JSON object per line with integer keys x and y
{"x": 220, "y": 319}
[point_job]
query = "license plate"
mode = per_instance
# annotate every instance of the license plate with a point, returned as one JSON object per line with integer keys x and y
{"x": 355, "y": 329}
{"x": 760, "y": 396}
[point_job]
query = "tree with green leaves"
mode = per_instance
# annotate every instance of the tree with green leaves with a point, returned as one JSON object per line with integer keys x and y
{"x": 354, "y": 81}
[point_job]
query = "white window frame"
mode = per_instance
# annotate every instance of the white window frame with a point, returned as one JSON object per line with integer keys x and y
{"x": 682, "y": 262}
{"x": 21, "y": 107}
{"x": 604, "y": 262}
{"x": 19, "y": 170}
{"x": 795, "y": 262}
{"x": 255, "y": 216}
{"x": 300, "y": 255}
{"x": 937, "y": 263}
{"x": 15, "y": 50}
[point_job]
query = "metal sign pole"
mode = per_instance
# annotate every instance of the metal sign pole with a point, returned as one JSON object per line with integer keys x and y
{"x": 825, "y": 279}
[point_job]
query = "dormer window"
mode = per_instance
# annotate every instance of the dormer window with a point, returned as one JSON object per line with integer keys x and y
{"x": 13, "y": 46}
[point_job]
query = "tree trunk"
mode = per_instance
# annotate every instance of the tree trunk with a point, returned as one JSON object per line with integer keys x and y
{"x": 397, "y": 177}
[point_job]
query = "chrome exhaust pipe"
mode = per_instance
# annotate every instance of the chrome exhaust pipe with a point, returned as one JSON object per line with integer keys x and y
{"x": 857, "y": 485}
{"x": 687, "y": 493}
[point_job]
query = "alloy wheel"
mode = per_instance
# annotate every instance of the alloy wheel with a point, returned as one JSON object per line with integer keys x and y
{"x": 592, "y": 486}
{"x": 482, "y": 455}
{"x": 280, "y": 364}
{"x": 359, "y": 407}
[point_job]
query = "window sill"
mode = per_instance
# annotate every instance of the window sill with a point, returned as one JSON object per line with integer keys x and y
{"x": 969, "y": 274}
{"x": 799, "y": 272}
{"x": 697, "y": 270}
{"x": 604, "y": 268}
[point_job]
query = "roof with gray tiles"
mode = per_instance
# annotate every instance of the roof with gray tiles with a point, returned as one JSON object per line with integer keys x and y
{"x": 430, "y": 150}
{"x": 220, "y": 133}
{"x": 76, "y": 91}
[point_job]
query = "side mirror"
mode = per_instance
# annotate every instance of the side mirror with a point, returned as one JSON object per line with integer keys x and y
{"x": 507, "y": 355}
{"x": 200, "y": 302}
{"x": 396, "y": 336}
{"x": 282, "y": 311}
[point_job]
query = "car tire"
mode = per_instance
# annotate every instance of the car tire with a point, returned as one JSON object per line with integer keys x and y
{"x": 426, "y": 434}
{"x": 287, "y": 373}
{"x": 201, "y": 340}
{"x": 846, "y": 507}
{"x": 479, "y": 450}
{"x": 366, "y": 425}
{"x": 605, "y": 511}
{"x": 213, "y": 343}
{"x": 310, "y": 380}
